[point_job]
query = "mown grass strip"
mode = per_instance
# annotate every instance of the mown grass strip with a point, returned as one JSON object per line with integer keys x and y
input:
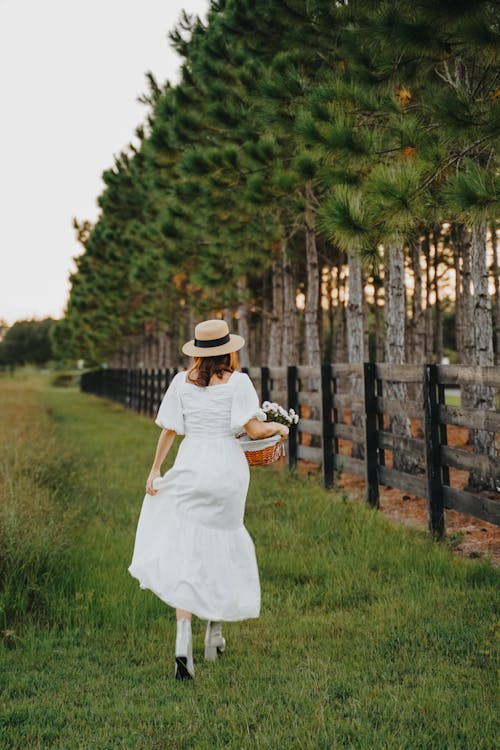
{"x": 371, "y": 636}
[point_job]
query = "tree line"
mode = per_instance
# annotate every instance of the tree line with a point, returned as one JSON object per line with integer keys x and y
{"x": 26, "y": 342}
{"x": 324, "y": 176}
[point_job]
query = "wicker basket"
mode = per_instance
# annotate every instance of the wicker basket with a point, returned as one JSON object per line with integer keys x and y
{"x": 264, "y": 455}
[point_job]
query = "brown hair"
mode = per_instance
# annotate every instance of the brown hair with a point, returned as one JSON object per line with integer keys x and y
{"x": 208, "y": 366}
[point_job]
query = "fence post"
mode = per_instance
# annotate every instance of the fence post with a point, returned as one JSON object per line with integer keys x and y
{"x": 145, "y": 403}
{"x": 380, "y": 418}
{"x": 327, "y": 424}
{"x": 144, "y": 390}
{"x": 443, "y": 432}
{"x": 435, "y": 505}
{"x": 162, "y": 379}
{"x": 371, "y": 440}
{"x": 291, "y": 385}
{"x": 265, "y": 393}
{"x": 135, "y": 389}
{"x": 128, "y": 387}
{"x": 145, "y": 407}
{"x": 140, "y": 390}
{"x": 121, "y": 386}
{"x": 152, "y": 392}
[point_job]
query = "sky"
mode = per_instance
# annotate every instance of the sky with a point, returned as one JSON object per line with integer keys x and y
{"x": 70, "y": 75}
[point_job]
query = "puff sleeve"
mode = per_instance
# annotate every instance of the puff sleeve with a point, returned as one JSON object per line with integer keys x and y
{"x": 245, "y": 405}
{"x": 170, "y": 415}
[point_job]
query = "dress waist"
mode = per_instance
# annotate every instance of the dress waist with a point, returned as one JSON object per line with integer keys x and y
{"x": 206, "y": 436}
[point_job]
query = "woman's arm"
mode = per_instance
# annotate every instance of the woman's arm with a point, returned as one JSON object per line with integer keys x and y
{"x": 257, "y": 429}
{"x": 164, "y": 444}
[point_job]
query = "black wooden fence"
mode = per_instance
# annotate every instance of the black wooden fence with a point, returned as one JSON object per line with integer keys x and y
{"x": 346, "y": 411}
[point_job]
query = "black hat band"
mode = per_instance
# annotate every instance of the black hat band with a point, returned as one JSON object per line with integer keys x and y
{"x": 212, "y": 342}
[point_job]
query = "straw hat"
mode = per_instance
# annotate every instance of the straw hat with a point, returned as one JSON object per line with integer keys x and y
{"x": 212, "y": 337}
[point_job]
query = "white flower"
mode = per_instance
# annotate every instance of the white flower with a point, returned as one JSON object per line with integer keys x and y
{"x": 275, "y": 412}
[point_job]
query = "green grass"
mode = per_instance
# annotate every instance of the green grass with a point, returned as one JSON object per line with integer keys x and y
{"x": 371, "y": 635}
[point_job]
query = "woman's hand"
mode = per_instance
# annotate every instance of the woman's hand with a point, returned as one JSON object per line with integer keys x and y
{"x": 164, "y": 444}
{"x": 282, "y": 430}
{"x": 149, "y": 482}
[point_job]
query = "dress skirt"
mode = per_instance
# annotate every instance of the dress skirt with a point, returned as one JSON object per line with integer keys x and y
{"x": 191, "y": 546}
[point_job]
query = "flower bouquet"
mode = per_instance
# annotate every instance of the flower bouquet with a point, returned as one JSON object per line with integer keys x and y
{"x": 267, "y": 450}
{"x": 276, "y": 413}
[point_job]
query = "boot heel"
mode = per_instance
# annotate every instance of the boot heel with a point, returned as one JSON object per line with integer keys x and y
{"x": 211, "y": 653}
{"x": 215, "y": 644}
{"x": 181, "y": 669}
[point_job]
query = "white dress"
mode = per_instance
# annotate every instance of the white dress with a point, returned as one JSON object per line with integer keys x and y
{"x": 191, "y": 547}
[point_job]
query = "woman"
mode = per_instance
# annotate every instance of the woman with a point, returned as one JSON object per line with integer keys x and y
{"x": 191, "y": 547}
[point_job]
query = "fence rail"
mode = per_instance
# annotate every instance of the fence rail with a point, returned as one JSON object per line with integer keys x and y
{"x": 365, "y": 407}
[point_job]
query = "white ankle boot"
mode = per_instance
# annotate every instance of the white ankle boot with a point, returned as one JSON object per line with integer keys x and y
{"x": 184, "y": 667}
{"x": 215, "y": 644}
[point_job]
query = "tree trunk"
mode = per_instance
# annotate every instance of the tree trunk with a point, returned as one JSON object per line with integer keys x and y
{"x": 459, "y": 297}
{"x": 166, "y": 355}
{"x": 290, "y": 317}
{"x": 137, "y": 350}
{"x": 468, "y": 303}
{"x": 438, "y": 317}
{"x": 155, "y": 348}
{"x": 312, "y": 347}
{"x": 243, "y": 329}
{"x": 395, "y": 347}
{"x": 426, "y": 248}
{"x": 147, "y": 351}
{"x": 417, "y": 342}
{"x": 366, "y": 336}
{"x": 483, "y": 397}
{"x": 355, "y": 328}
{"x": 329, "y": 339}
{"x": 133, "y": 358}
{"x": 265, "y": 319}
{"x": 355, "y": 338}
{"x": 377, "y": 314}
{"x": 495, "y": 269}
{"x": 340, "y": 349}
{"x": 415, "y": 346}
{"x": 162, "y": 347}
{"x": 276, "y": 336}
{"x": 466, "y": 347}
{"x": 190, "y": 322}
{"x": 143, "y": 356}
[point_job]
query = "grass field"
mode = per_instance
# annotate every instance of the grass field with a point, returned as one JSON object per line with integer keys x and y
{"x": 371, "y": 636}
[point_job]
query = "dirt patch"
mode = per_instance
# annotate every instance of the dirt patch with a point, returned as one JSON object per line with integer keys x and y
{"x": 469, "y": 536}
